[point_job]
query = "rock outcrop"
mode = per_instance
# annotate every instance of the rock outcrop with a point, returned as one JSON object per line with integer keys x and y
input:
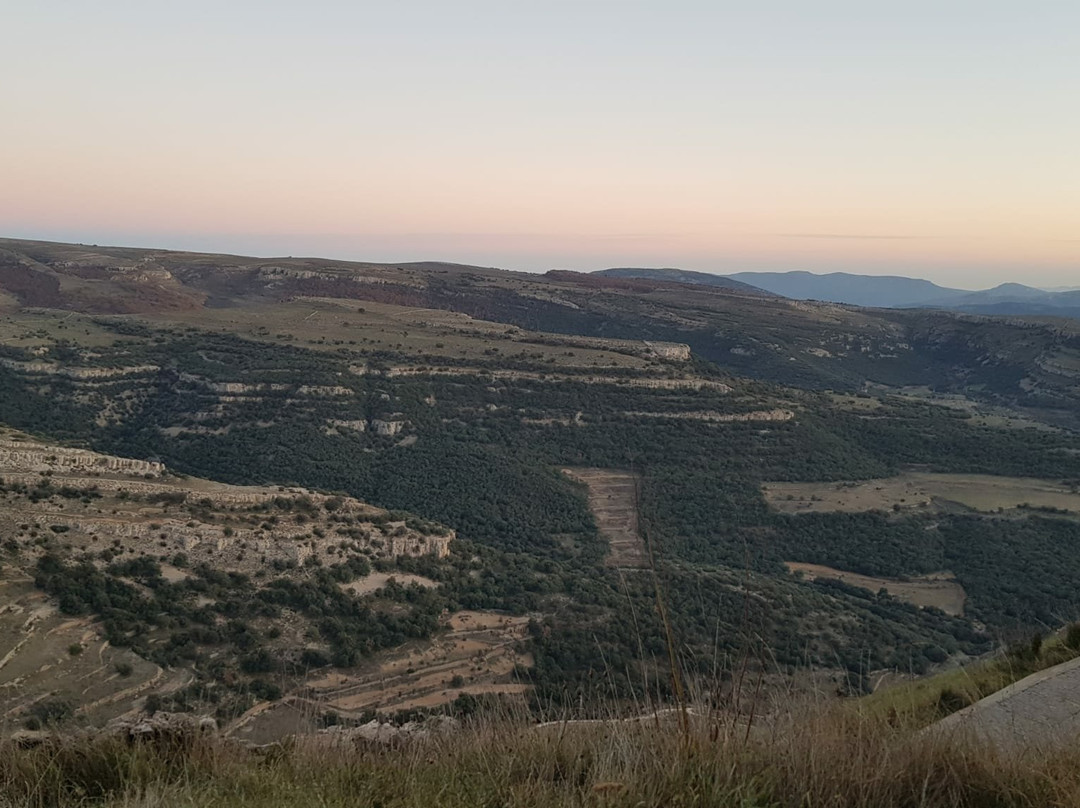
{"x": 29, "y": 457}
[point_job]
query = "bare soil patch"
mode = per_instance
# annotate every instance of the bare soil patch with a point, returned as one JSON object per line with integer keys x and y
{"x": 612, "y": 499}
{"x": 937, "y": 589}
{"x": 377, "y": 580}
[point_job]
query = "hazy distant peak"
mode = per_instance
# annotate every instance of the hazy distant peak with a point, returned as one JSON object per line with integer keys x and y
{"x": 893, "y": 291}
{"x": 844, "y": 287}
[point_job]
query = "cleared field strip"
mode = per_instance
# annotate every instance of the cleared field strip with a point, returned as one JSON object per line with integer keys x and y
{"x": 613, "y": 501}
{"x": 980, "y": 492}
{"x": 938, "y": 590}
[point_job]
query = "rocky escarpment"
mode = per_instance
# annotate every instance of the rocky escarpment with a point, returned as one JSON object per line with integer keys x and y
{"x": 20, "y": 456}
{"x": 89, "y": 498}
{"x": 246, "y": 548}
{"x": 69, "y": 372}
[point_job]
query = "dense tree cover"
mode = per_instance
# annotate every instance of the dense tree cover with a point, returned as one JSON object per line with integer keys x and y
{"x": 1017, "y": 572}
{"x": 719, "y": 618}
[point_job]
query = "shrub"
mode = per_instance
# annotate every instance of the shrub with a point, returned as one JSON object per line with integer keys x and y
{"x": 1036, "y": 646}
{"x": 314, "y": 658}
{"x": 48, "y": 712}
{"x": 1072, "y": 636}
{"x": 154, "y": 702}
{"x": 259, "y": 661}
{"x": 951, "y": 701}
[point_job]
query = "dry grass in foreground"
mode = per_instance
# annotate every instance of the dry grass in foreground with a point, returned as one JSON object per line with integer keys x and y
{"x": 920, "y": 702}
{"x": 820, "y": 758}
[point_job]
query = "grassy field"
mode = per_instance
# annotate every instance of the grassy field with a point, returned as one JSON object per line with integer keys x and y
{"x": 38, "y": 328}
{"x": 980, "y": 492}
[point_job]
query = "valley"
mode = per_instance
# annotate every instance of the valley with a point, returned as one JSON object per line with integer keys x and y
{"x": 294, "y": 493}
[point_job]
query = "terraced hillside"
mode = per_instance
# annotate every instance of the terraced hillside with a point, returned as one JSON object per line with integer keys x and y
{"x": 137, "y": 559}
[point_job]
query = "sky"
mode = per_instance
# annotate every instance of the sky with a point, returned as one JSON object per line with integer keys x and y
{"x": 934, "y": 139}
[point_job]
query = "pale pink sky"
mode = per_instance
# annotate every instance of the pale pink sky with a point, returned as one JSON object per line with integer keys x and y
{"x": 938, "y": 139}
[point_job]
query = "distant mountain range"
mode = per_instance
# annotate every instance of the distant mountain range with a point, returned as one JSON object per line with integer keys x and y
{"x": 879, "y": 291}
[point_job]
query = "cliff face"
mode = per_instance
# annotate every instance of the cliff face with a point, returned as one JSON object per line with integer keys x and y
{"x": 19, "y": 456}
{"x": 671, "y": 351}
{"x": 67, "y": 371}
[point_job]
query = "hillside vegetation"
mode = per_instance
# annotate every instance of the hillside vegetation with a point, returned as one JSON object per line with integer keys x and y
{"x": 549, "y": 490}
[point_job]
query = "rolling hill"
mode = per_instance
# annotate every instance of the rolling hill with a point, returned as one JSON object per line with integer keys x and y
{"x": 670, "y": 275}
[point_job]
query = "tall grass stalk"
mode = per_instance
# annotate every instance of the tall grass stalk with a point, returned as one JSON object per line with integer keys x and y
{"x": 811, "y": 755}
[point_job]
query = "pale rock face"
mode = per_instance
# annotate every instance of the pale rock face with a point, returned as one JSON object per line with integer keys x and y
{"x": 219, "y": 546}
{"x": 51, "y": 369}
{"x": 672, "y": 351}
{"x": 165, "y": 725}
{"x": 379, "y": 732}
{"x": 358, "y": 425}
{"x": 276, "y": 273}
{"x": 30, "y": 458}
{"x": 388, "y": 428}
{"x": 316, "y": 390}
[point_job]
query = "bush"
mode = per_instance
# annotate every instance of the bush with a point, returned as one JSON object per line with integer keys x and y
{"x": 49, "y": 712}
{"x": 314, "y": 658}
{"x": 951, "y": 701}
{"x": 259, "y": 661}
{"x": 1036, "y": 646}
{"x": 1072, "y": 636}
